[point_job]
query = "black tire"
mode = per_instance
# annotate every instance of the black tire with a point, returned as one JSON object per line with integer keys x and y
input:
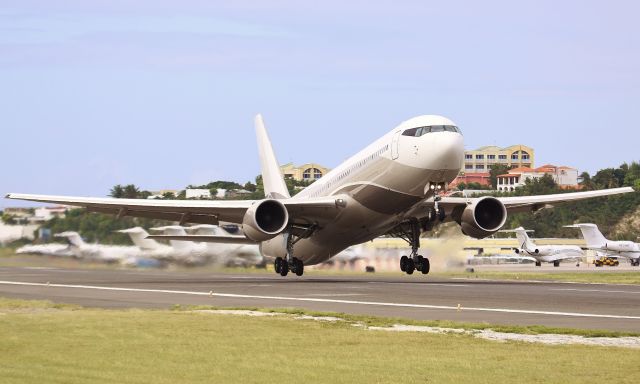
{"x": 403, "y": 263}
{"x": 299, "y": 267}
{"x": 284, "y": 269}
{"x": 417, "y": 261}
{"x": 277, "y": 264}
{"x": 431, "y": 215}
{"x": 556, "y": 263}
{"x": 411, "y": 266}
{"x": 426, "y": 266}
{"x": 538, "y": 264}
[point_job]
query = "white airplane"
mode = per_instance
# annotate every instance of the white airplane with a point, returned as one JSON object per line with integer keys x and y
{"x": 393, "y": 186}
{"x": 99, "y": 252}
{"x": 604, "y": 247}
{"x": 545, "y": 253}
{"x": 51, "y": 249}
{"x": 229, "y": 254}
{"x": 139, "y": 238}
{"x": 198, "y": 253}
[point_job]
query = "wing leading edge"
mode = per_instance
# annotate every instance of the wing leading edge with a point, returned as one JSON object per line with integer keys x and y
{"x": 314, "y": 210}
{"x": 533, "y": 203}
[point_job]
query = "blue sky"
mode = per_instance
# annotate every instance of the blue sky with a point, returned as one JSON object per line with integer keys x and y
{"x": 162, "y": 94}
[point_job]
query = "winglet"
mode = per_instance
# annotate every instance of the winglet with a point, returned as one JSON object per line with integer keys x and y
{"x": 274, "y": 185}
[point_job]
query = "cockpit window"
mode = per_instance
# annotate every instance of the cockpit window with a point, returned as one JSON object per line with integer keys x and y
{"x": 417, "y": 132}
{"x": 410, "y": 132}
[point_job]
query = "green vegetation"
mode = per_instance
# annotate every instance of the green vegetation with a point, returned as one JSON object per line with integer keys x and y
{"x": 72, "y": 345}
{"x": 605, "y": 212}
{"x": 380, "y": 321}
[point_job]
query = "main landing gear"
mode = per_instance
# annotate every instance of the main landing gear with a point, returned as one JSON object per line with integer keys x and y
{"x": 292, "y": 264}
{"x": 410, "y": 232}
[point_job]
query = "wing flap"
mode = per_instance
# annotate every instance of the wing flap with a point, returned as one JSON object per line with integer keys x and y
{"x": 205, "y": 239}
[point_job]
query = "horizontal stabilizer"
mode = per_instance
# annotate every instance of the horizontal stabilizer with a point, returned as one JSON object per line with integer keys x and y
{"x": 205, "y": 239}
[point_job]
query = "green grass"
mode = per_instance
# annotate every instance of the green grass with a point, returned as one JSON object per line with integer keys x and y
{"x": 379, "y": 321}
{"x": 71, "y": 345}
{"x": 577, "y": 277}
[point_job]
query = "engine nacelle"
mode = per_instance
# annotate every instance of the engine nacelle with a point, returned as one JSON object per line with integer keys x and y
{"x": 264, "y": 220}
{"x": 483, "y": 218}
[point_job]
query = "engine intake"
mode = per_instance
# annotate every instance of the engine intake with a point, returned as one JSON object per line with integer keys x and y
{"x": 483, "y": 218}
{"x": 264, "y": 220}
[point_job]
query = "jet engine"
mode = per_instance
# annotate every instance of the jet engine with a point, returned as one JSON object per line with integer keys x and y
{"x": 264, "y": 220}
{"x": 483, "y": 218}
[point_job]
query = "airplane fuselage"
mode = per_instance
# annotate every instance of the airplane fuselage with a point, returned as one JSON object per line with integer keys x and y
{"x": 384, "y": 183}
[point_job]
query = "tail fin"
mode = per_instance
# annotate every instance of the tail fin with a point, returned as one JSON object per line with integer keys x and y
{"x": 176, "y": 230}
{"x": 138, "y": 237}
{"x": 73, "y": 238}
{"x": 592, "y": 235}
{"x": 523, "y": 239}
{"x": 274, "y": 185}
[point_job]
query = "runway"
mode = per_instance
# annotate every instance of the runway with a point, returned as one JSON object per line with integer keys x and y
{"x": 592, "y": 306}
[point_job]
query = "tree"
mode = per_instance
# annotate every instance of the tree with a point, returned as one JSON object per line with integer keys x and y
{"x": 495, "y": 171}
{"x": 587, "y": 182}
{"x": 117, "y": 191}
{"x": 8, "y": 219}
{"x": 131, "y": 192}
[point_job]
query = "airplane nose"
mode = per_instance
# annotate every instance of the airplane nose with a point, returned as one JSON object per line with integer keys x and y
{"x": 450, "y": 147}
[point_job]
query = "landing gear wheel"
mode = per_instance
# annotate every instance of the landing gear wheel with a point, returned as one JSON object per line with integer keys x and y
{"x": 404, "y": 260}
{"x": 410, "y": 267}
{"x": 277, "y": 265}
{"x": 556, "y": 263}
{"x": 299, "y": 267}
{"x": 538, "y": 264}
{"x": 426, "y": 266}
{"x": 284, "y": 268}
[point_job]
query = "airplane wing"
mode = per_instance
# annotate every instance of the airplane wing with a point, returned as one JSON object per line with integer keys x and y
{"x": 531, "y": 203}
{"x": 205, "y": 239}
{"x": 307, "y": 211}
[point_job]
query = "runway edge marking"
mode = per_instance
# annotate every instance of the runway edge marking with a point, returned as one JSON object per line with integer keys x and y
{"x": 336, "y": 301}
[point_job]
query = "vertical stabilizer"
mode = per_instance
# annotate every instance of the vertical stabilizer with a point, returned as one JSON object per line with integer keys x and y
{"x": 274, "y": 185}
{"x": 176, "y": 230}
{"x": 593, "y": 236}
{"x": 139, "y": 237}
{"x": 523, "y": 239}
{"x": 73, "y": 238}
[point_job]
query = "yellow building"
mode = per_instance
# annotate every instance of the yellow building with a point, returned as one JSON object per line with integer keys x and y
{"x": 480, "y": 160}
{"x": 304, "y": 172}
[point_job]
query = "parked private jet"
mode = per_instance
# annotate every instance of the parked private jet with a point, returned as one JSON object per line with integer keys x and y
{"x": 608, "y": 248}
{"x": 393, "y": 186}
{"x": 545, "y": 253}
{"x": 50, "y": 249}
{"x": 127, "y": 255}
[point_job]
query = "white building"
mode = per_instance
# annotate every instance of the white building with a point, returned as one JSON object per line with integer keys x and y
{"x": 48, "y": 213}
{"x": 197, "y": 193}
{"x": 565, "y": 177}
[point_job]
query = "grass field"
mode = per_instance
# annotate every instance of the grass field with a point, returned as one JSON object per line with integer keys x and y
{"x": 42, "y": 342}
